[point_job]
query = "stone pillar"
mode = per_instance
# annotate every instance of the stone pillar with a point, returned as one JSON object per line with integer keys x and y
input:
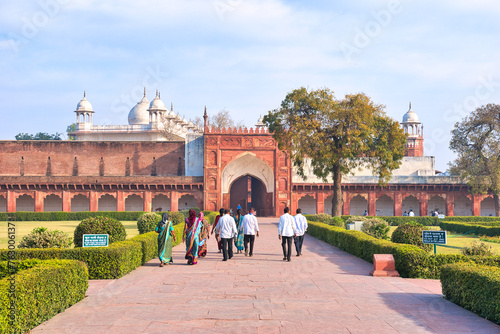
{"x": 120, "y": 201}
{"x": 38, "y": 201}
{"x": 320, "y": 202}
{"x": 476, "y": 205}
{"x": 174, "y": 201}
{"x": 346, "y": 208}
{"x": 11, "y": 201}
{"x": 66, "y": 201}
{"x": 398, "y": 204}
{"x": 147, "y": 201}
{"x": 450, "y": 204}
{"x": 294, "y": 204}
{"x": 372, "y": 204}
{"x": 423, "y": 204}
{"x": 226, "y": 201}
{"x": 94, "y": 201}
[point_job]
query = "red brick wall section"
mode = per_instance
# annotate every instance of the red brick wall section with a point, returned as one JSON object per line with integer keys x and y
{"x": 33, "y": 156}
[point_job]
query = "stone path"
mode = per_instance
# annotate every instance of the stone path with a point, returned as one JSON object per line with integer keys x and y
{"x": 324, "y": 291}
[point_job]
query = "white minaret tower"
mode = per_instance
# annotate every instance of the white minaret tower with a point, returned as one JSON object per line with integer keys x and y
{"x": 84, "y": 113}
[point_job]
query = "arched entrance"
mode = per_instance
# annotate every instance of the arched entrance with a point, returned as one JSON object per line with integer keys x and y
{"x": 249, "y": 191}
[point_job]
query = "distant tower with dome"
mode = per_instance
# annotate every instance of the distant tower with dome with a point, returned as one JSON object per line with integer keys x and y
{"x": 414, "y": 131}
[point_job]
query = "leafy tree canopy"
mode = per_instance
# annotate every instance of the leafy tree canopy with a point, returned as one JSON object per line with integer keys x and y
{"x": 476, "y": 141}
{"x": 336, "y": 135}
{"x": 69, "y": 129}
{"x": 39, "y": 136}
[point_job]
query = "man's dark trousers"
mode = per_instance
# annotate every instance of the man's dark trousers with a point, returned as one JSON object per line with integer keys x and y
{"x": 298, "y": 243}
{"x": 249, "y": 238}
{"x": 287, "y": 253}
{"x": 227, "y": 248}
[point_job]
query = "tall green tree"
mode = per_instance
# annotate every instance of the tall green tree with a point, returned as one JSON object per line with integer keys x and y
{"x": 39, "y": 136}
{"x": 476, "y": 141}
{"x": 336, "y": 136}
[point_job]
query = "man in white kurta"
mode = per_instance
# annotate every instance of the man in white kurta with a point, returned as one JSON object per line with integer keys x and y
{"x": 250, "y": 228}
{"x": 227, "y": 230}
{"x": 301, "y": 225}
{"x": 286, "y": 231}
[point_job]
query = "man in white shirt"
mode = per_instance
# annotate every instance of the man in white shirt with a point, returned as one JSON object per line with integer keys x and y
{"x": 226, "y": 229}
{"x": 301, "y": 224}
{"x": 250, "y": 227}
{"x": 286, "y": 231}
{"x": 411, "y": 213}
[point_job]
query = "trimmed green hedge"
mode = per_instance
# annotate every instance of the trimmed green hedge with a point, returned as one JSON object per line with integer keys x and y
{"x": 494, "y": 223}
{"x": 434, "y": 221}
{"x": 490, "y": 231}
{"x": 210, "y": 217}
{"x": 64, "y": 216}
{"x": 325, "y": 218}
{"x": 396, "y": 220}
{"x": 473, "y": 287}
{"x": 411, "y": 261}
{"x": 472, "y": 219}
{"x": 114, "y": 261}
{"x": 42, "y": 290}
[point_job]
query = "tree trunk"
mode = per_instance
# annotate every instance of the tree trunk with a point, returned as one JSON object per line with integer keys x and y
{"x": 337, "y": 192}
{"x": 496, "y": 198}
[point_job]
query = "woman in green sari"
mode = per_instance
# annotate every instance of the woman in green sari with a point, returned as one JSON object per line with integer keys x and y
{"x": 238, "y": 219}
{"x": 166, "y": 234}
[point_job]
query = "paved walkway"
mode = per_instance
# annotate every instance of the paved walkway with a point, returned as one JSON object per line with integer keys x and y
{"x": 324, "y": 291}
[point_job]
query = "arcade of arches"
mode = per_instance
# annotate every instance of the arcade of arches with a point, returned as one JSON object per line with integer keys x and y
{"x": 91, "y": 201}
{"x": 383, "y": 204}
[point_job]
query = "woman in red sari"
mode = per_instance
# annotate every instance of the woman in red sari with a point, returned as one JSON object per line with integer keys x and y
{"x": 219, "y": 241}
{"x": 192, "y": 228}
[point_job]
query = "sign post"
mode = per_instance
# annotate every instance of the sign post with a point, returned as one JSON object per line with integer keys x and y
{"x": 95, "y": 240}
{"x": 434, "y": 237}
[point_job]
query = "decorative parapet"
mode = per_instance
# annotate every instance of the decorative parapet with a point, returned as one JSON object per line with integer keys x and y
{"x": 240, "y": 130}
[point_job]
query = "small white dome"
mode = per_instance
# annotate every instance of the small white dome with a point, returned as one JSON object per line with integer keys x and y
{"x": 157, "y": 103}
{"x": 84, "y": 104}
{"x": 410, "y": 116}
{"x": 139, "y": 113}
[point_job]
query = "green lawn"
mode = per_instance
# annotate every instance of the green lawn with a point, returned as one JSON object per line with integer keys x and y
{"x": 457, "y": 240}
{"x": 23, "y": 228}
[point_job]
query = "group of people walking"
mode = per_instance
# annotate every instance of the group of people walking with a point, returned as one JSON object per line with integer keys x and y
{"x": 238, "y": 229}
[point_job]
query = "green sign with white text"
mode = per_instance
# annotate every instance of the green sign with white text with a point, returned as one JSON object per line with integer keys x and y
{"x": 95, "y": 240}
{"x": 434, "y": 237}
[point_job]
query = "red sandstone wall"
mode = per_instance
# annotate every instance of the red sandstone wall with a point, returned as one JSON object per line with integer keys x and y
{"x": 32, "y": 157}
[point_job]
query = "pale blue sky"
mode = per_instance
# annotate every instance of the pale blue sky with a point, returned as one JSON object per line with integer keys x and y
{"x": 244, "y": 56}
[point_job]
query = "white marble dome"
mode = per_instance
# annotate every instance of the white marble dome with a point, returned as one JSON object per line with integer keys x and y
{"x": 157, "y": 103}
{"x": 139, "y": 113}
{"x": 410, "y": 116}
{"x": 84, "y": 104}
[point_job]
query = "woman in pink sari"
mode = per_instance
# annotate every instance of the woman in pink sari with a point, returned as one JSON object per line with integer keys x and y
{"x": 192, "y": 228}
